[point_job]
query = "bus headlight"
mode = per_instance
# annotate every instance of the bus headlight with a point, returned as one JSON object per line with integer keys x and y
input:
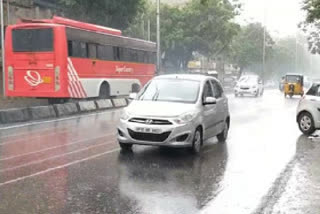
{"x": 57, "y": 83}
{"x": 10, "y": 78}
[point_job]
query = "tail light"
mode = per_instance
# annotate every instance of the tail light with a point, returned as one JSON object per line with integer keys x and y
{"x": 10, "y": 78}
{"x": 57, "y": 80}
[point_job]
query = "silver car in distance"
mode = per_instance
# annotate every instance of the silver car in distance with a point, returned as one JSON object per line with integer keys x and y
{"x": 176, "y": 111}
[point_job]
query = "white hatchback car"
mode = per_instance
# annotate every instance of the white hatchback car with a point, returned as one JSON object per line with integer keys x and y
{"x": 176, "y": 111}
{"x": 308, "y": 111}
{"x": 249, "y": 85}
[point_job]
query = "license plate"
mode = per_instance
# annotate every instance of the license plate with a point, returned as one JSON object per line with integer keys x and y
{"x": 148, "y": 130}
{"x": 47, "y": 80}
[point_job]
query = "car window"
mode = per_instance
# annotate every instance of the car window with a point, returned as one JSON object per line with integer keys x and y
{"x": 314, "y": 90}
{"x": 207, "y": 91}
{"x": 217, "y": 89}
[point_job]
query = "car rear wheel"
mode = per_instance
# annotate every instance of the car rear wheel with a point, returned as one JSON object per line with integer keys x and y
{"x": 222, "y": 137}
{"x": 125, "y": 146}
{"x": 306, "y": 123}
{"x": 197, "y": 142}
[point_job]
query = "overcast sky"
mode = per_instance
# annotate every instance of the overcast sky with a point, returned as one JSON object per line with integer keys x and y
{"x": 282, "y": 16}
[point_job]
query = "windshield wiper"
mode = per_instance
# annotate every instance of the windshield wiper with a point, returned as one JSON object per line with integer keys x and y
{"x": 156, "y": 95}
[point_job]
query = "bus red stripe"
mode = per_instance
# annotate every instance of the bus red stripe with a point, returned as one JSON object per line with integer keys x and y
{"x": 74, "y": 85}
{"x": 78, "y": 83}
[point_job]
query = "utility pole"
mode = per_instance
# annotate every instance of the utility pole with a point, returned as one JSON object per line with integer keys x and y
{"x": 143, "y": 30}
{"x": 149, "y": 33}
{"x": 264, "y": 44}
{"x": 264, "y": 54}
{"x": 158, "y": 38}
{"x": 296, "y": 54}
{"x": 2, "y": 47}
{"x": 8, "y": 12}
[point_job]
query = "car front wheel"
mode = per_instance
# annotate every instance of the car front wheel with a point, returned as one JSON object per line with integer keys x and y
{"x": 306, "y": 123}
{"x": 197, "y": 142}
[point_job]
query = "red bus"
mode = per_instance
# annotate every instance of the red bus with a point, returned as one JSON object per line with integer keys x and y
{"x": 61, "y": 59}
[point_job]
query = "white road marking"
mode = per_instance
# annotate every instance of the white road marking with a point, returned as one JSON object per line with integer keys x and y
{"x": 55, "y": 120}
{"x": 55, "y": 147}
{"x": 58, "y": 167}
{"x": 53, "y": 157}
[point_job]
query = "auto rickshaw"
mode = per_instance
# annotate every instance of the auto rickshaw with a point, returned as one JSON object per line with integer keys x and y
{"x": 293, "y": 85}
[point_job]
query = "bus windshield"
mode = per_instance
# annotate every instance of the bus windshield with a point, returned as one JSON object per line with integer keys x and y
{"x": 32, "y": 40}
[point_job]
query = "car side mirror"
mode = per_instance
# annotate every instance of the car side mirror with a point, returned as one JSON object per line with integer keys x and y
{"x": 210, "y": 101}
{"x": 133, "y": 96}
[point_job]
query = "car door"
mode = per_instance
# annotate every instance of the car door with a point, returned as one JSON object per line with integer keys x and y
{"x": 209, "y": 112}
{"x": 313, "y": 96}
{"x": 221, "y": 107}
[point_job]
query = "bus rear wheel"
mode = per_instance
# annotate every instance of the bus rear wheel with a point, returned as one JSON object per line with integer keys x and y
{"x": 104, "y": 92}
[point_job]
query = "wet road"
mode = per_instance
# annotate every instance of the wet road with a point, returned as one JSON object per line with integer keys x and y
{"x": 75, "y": 166}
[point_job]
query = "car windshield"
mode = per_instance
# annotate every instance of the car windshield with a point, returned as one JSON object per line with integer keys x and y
{"x": 171, "y": 90}
{"x": 248, "y": 80}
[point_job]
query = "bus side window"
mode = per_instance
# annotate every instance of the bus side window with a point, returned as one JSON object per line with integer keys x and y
{"x": 145, "y": 57}
{"x": 125, "y": 55}
{"x": 92, "y": 51}
{"x": 105, "y": 52}
{"x": 141, "y": 56}
{"x": 153, "y": 58}
{"x": 70, "y": 48}
{"x": 83, "y": 50}
{"x": 79, "y": 49}
{"x": 133, "y": 55}
{"x": 116, "y": 53}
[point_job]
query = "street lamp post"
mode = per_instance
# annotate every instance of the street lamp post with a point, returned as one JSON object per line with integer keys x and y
{"x": 2, "y": 46}
{"x": 264, "y": 54}
{"x": 158, "y": 38}
{"x": 264, "y": 42}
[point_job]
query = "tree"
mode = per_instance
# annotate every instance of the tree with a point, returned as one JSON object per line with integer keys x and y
{"x": 199, "y": 26}
{"x": 311, "y": 26}
{"x": 247, "y": 48}
{"x": 112, "y": 13}
{"x": 312, "y": 7}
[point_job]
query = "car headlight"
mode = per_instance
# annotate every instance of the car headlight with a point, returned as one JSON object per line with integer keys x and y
{"x": 185, "y": 118}
{"x": 124, "y": 115}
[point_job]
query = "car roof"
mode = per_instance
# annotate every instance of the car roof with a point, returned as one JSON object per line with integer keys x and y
{"x": 196, "y": 77}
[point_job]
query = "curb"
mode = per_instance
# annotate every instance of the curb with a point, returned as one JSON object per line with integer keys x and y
{"x": 18, "y": 115}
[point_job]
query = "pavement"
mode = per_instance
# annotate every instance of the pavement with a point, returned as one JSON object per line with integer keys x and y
{"x": 74, "y": 165}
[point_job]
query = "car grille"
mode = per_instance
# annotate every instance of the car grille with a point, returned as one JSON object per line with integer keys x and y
{"x": 148, "y": 136}
{"x": 245, "y": 88}
{"x": 150, "y": 121}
